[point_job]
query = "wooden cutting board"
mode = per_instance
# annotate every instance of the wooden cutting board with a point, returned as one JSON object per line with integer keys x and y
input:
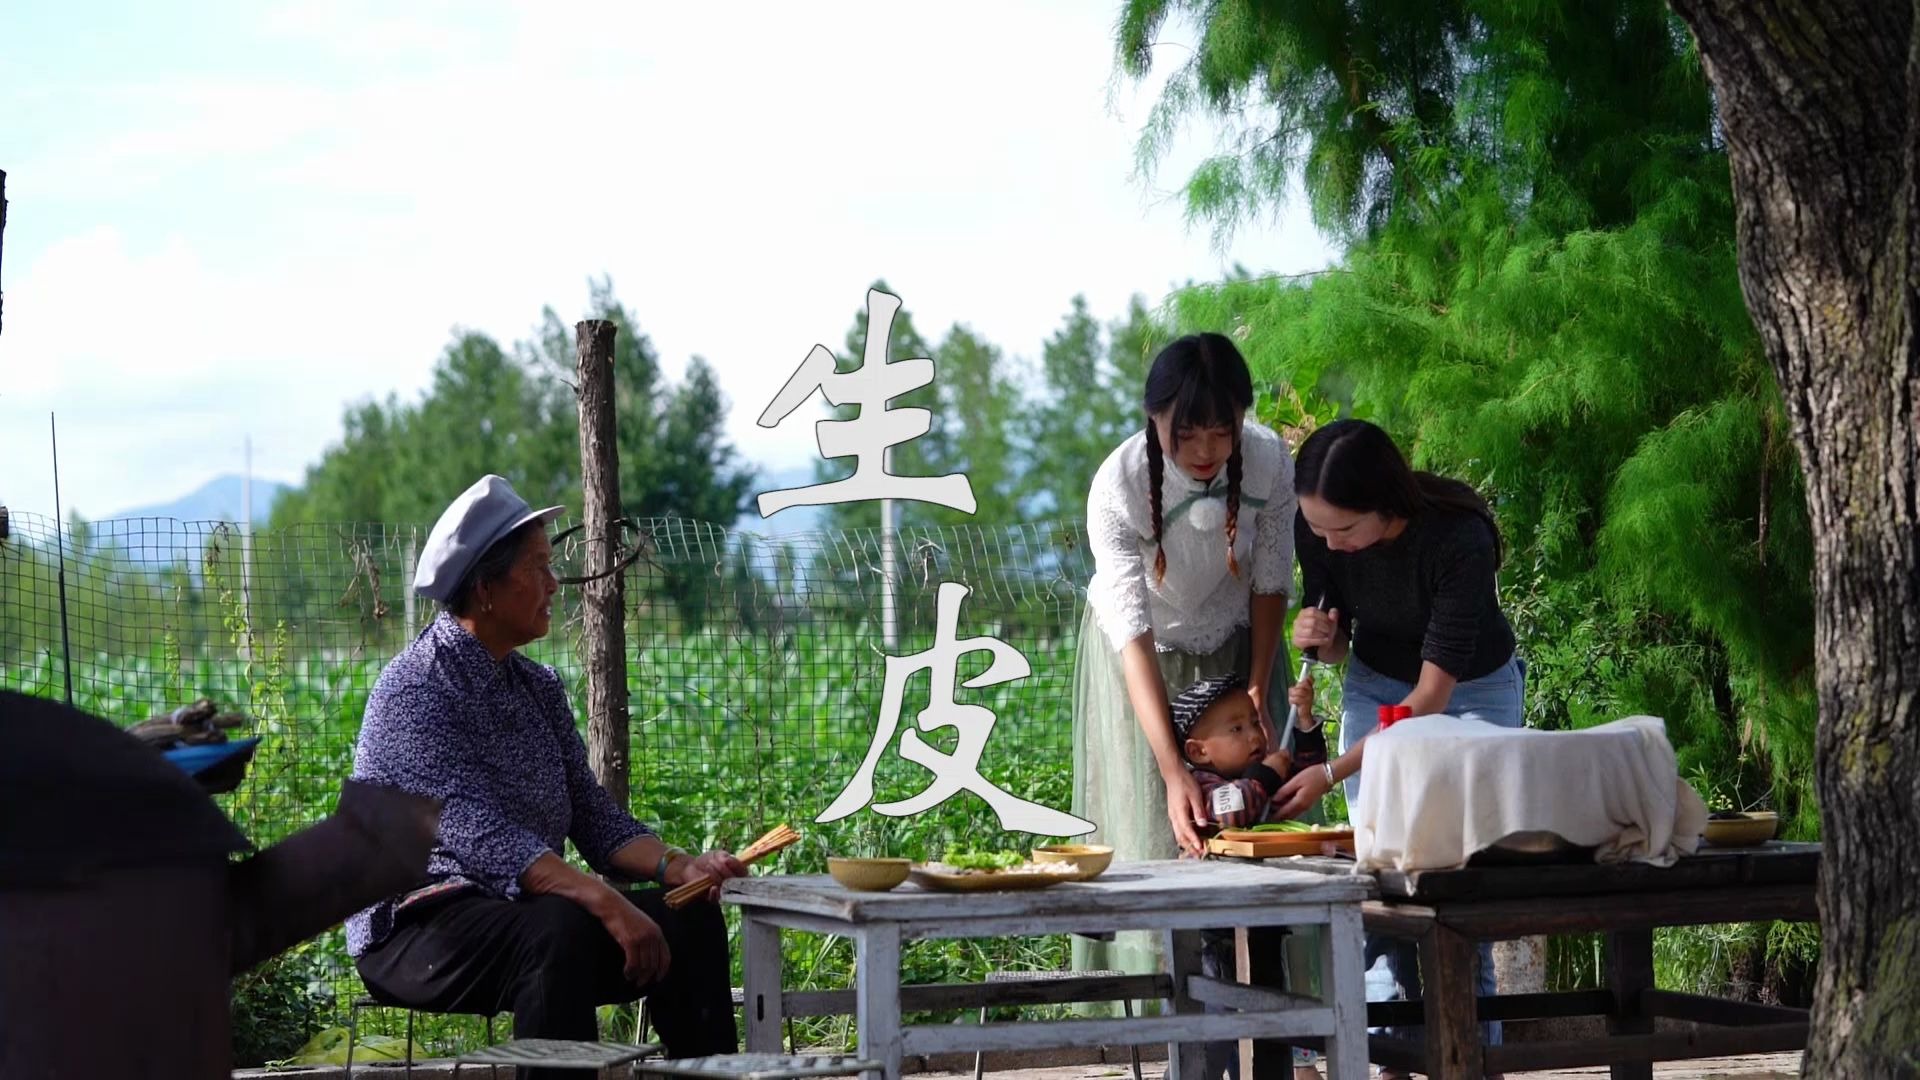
{"x": 1248, "y": 844}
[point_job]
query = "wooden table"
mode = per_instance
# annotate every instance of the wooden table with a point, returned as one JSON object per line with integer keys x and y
{"x": 1177, "y": 898}
{"x": 1448, "y": 912}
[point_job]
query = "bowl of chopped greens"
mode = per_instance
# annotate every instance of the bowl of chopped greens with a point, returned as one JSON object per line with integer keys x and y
{"x": 988, "y": 871}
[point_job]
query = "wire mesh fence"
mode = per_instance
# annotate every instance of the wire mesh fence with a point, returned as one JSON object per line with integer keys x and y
{"x": 755, "y": 665}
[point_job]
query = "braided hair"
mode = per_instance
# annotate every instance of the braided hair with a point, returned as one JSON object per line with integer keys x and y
{"x": 1155, "y": 470}
{"x": 1233, "y": 506}
{"x": 1204, "y": 381}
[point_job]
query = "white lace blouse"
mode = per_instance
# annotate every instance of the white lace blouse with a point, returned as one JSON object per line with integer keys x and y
{"x": 1200, "y": 604}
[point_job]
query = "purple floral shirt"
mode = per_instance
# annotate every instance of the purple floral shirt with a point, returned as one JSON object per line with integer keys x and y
{"x": 495, "y": 741}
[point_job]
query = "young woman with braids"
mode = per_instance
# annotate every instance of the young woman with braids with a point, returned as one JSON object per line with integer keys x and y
{"x": 1191, "y": 525}
{"x": 1406, "y": 561}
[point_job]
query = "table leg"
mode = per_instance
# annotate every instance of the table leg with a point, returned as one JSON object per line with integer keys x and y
{"x": 760, "y": 957}
{"x": 877, "y": 994}
{"x": 1629, "y": 971}
{"x": 1260, "y": 959}
{"x": 1187, "y": 1060}
{"x": 1345, "y": 988}
{"x": 1450, "y": 992}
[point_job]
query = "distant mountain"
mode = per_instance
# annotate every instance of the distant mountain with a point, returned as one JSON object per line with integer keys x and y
{"x": 796, "y": 519}
{"x": 218, "y": 499}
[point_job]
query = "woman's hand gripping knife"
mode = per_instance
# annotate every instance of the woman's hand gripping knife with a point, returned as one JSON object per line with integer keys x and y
{"x": 1318, "y": 635}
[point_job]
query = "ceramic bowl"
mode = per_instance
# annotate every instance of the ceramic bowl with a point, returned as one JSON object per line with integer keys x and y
{"x": 869, "y": 875}
{"x": 1742, "y": 831}
{"x": 1089, "y": 860}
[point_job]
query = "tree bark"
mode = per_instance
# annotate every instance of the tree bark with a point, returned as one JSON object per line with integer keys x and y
{"x": 604, "y": 598}
{"x": 1819, "y": 99}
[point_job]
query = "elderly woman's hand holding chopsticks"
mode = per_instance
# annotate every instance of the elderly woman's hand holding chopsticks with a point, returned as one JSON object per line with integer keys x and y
{"x": 715, "y": 867}
{"x": 695, "y": 883}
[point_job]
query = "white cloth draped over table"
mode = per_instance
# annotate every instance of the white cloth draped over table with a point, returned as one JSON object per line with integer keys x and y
{"x": 1437, "y": 789}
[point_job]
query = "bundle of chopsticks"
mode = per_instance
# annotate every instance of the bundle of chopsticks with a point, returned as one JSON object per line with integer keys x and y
{"x": 779, "y": 838}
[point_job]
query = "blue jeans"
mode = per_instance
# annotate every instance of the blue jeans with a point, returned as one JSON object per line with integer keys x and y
{"x": 1498, "y": 698}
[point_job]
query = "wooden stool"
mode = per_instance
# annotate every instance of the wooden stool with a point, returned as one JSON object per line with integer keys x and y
{"x": 1126, "y": 1004}
{"x": 758, "y": 1066}
{"x": 556, "y": 1054}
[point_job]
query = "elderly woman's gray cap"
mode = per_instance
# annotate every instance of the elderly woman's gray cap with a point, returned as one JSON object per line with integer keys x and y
{"x": 475, "y": 522}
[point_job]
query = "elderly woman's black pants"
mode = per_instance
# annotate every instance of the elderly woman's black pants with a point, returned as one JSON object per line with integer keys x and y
{"x": 550, "y": 963}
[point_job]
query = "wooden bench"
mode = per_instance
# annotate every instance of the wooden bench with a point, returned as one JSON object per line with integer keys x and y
{"x": 1449, "y": 912}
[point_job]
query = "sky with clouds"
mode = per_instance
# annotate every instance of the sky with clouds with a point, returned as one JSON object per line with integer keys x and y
{"x": 231, "y": 220}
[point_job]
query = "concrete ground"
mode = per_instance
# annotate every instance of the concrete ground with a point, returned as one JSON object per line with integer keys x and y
{"x": 1756, "y": 1067}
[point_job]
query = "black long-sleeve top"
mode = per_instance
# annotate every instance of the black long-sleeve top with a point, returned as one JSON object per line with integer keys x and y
{"x": 1427, "y": 594}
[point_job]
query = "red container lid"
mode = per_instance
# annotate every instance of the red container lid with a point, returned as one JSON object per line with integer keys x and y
{"x": 1386, "y": 716}
{"x": 1403, "y": 712}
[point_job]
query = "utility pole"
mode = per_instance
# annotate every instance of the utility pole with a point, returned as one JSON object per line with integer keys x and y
{"x": 889, "y": 612}
{"x": 3, "y": 225}
{"x": 246, "y": 547}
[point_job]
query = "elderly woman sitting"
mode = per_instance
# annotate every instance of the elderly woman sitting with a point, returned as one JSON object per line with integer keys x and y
{"x": 502, "y": 921}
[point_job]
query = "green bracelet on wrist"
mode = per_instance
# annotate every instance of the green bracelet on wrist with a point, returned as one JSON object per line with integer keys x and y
{"x": 666, "y": 858}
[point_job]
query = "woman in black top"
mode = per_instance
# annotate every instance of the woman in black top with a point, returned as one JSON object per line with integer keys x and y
{"x": 1403, "y": 564}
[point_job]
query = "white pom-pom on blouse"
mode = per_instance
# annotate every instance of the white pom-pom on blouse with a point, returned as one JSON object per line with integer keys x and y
{"x": 1208, "y": 515}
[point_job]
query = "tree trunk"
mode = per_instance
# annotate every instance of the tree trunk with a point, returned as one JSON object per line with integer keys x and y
{"x": 1818, "y": 98}
{"x": 604, "y": 598}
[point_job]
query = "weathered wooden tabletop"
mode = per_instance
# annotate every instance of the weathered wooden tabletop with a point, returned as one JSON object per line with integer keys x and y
{"x": 1125, "y": 887}
{"x": 1773, "y": 863}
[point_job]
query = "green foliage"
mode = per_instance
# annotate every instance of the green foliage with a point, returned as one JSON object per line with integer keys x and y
{"x": 976, "y": 416}
{"x": 329, "y": 1047}
{"x": 924, "y": 456}
{"x": 735, "y": 730}
{"x": 1620, "y": 415}
{"x": 1539, "y": 297}
{"x": 513, "y": 412}
{"x": 277, "y": 1007}
{"x": 1385, "y": 111}
{"x": 1087, "y": 403}
{"x": 731, "y": 736}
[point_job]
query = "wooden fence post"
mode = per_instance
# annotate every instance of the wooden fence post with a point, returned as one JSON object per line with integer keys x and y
{"x": 603, "y": 605}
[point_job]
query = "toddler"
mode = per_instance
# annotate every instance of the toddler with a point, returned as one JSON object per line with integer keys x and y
{"x": 1221, "y": 738}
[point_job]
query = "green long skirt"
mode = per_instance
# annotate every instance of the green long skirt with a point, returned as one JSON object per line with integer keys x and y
{"x": 1117, "y": 786}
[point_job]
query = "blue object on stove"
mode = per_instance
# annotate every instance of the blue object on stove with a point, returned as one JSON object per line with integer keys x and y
{"x": 198, "y": 759}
